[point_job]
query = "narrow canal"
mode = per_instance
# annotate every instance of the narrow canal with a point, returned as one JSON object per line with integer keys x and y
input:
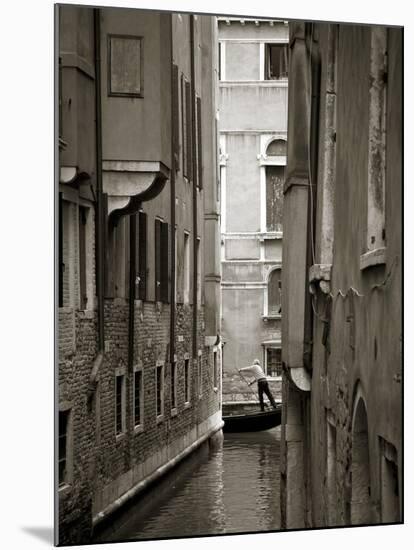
{"x": 231, "y": 487}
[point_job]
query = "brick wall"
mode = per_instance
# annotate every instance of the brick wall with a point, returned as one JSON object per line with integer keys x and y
{"x": 117, "y": 456}
{"x": 75, "y": 503}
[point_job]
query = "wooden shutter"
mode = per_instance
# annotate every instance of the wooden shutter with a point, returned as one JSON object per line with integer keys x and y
{"x": 142, "y": 256}
{"x": 175, "y": 117}
{"x": 157, "y": 260}
{"x": 61, "y": 264}
{"x": 199, "y": 146}
{"x": 183, "y": 127}
{"x": 164, "y": 262}
{"x": 82, "y": 257}
{"x": 188, "y": 119}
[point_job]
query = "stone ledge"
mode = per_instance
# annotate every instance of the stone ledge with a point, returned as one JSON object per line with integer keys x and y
{"x": 378, "y": 256}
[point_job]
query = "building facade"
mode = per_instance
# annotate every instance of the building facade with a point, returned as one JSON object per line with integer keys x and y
{"x": 253, "y": 58}
{"x": 139, "y": 352}
{"x": 342, "y": 417}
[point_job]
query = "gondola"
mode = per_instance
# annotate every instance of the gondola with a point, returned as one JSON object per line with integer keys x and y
{"x": 253, "y": 422}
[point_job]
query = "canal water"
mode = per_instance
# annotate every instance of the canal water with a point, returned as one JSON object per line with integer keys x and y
{"x": 229, "y": 487}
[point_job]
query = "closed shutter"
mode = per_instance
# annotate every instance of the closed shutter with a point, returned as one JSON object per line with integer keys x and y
{"x": 175, "y": 118}
{"x": 158, "y": 260}
{"x": 142, "y": 256}
{"x": 183, "y": 127}
{"x": 188, "y": 129}
{"x": 61, "y": 264}
{"x": 164, "y": 262}
{"x": 199, "y": 146}
{"x": 82, "y": 258}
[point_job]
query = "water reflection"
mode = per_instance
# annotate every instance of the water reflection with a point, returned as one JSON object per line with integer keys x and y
{"x": 232, "y": 488}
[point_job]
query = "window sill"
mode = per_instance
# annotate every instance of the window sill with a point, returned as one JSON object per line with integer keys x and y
{"x": 160, "y": 419}
{"x": 271, "y": 83}
{"x": 120, "y": 437}
{"x": 138, "y": 429}
{"x": 64, "y": 489}
{"x": 174, "y": 412}
{"x": 215, "y": 390}
{"x": 271, "y": 317}
{"x": 378, "y": 256}
{"x": 187, "y": 405}
{"x": 66, "y": 309}
{"x": 274, "y": 378}
{"x": 87, "y": 313}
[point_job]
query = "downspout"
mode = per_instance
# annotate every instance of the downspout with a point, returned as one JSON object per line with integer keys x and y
{"x": 315, "y": 66}
{"x": 193, "y": 175}
{"x": 172, "y": 202}
{"x": 100, "y": 221}
{"x": 132, "y": 277}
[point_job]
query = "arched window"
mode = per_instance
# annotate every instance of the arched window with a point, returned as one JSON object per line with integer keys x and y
{"x": 361, "y": 510}
{"x": 274, "y": 292}
{"x": 276, "y": 148}
{"x": 275, "y": 179}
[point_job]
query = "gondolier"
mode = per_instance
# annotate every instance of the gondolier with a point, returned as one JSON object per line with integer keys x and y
{"x": 262, "y": 384}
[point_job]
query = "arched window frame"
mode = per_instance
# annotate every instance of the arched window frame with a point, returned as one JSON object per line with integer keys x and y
{"x": 266, "y": 314}
{"x": 265, "y": 160}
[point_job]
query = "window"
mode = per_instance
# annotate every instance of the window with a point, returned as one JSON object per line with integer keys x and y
{"x": 159, "y": 390}
{"x": 161, "y": 261}
{"x": 200, "y": 373}
{"x": 138, "y": 398}
{"x": 173, "y": 385}
{"x": 186, "y": 268}
{"x": 277, "y": 148}
{"x": 275, "y": 178}
{"x": 331, "y": 478}
{"x": 142, "y": 257}
{"x": 119, "y": 404}
{"x": 64, "y": 449}
{"x": 276, "y": 61}
{"x": 198, "y": 252}
{"x": 274, "y": 293}
{"x": 390, "y": 494}
{"x": 274, "y": 362}
{"x": 215, "y": 371}
{"x": 187, "y": 380}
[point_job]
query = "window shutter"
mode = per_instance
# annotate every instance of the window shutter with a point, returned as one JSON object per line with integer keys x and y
{"x": 142, "y": 256}
{"x": 175, "y": 117}
{"x": 157, "y": 260}
{"x": 199, "y": 146}
{"x": 274, "y": 292}
{"x": 188, "y": 128}
{"x": 82, "y": 258}
{"x": 183, "y": 127}
{"x": 61, "y": 264}
{"x": 164, "y": 263}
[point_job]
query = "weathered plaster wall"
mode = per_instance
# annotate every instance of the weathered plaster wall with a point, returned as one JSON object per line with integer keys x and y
{"x": 356, "y": 354}
{"x": 239, "y": 102}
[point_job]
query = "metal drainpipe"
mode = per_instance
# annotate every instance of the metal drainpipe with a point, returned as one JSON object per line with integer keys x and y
{"x": 193, "y": 175}
{"x": 132, "y": 277}
{"x": 172, "y": 203}
{"x": 313, "y": 151}
{"x": 100, "y": 228}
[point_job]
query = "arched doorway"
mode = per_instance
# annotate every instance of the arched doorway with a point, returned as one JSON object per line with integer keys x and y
{"x": 361, "y": 510}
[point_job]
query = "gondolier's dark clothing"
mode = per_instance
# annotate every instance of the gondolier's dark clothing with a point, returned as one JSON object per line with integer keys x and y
{"x": 263, "y": 387}
{"x": 262, "y": 384}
